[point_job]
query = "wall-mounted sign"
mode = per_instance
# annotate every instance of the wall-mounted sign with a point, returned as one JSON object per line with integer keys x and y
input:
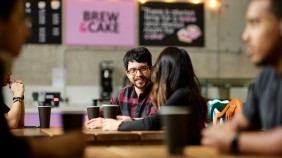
{"x": 164, "y": 24}
{"x": 97, "y": 22}
{"x": 45, "y": 21}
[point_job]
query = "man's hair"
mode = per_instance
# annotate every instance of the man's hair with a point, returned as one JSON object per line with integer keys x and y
{"x": 140, "y": 55}
{"x": 276, "y": 8}
{"x": 6, "y": 8}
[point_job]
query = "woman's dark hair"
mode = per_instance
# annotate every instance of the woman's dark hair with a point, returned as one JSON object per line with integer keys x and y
{"x": 6, "y": 8}
{"x": 140, "y": 55}
{"x": 173, "y": 70}
{"x": 276, "y": 8}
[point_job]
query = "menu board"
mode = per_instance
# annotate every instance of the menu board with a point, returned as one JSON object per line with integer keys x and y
{"x": 46, "y": 21}
{"x": 178, "y": 24}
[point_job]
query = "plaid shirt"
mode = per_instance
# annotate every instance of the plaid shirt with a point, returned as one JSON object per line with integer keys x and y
{"x": 131, "y": 105}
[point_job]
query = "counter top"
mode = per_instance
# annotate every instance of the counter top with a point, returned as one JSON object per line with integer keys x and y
{"x": 59, "y": 109}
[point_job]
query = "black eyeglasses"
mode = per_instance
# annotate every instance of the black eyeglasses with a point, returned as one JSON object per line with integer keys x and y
{"x": 142, "y": 69}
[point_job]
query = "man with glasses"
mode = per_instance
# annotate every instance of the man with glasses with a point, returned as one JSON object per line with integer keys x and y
{"x": 134, "y": 100}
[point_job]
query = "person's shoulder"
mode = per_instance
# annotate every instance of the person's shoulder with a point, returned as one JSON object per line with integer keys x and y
{"x": 267, "y": 74}
{"x": 180, "y": 93}
{"x": 264, "y": 78}
{"x": 267, "y": 71}
{"x": 179, "y": 96}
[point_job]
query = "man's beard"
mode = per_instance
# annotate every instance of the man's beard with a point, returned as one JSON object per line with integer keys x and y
{"x": 271, "y": 59}
{"x": 146, "y": 80}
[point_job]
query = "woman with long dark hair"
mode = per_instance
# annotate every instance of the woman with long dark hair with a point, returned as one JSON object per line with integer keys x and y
{"x": 175, "y": 85}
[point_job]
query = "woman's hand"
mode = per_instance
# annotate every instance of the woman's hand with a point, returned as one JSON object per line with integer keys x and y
{"x": 124, "y": 118}
{"x": 17, "y": 88}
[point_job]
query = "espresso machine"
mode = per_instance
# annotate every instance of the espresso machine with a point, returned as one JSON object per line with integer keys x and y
{"x": 106, "y": 71}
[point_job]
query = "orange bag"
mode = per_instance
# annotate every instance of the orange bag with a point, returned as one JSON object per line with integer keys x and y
{"x": 230, "y": 110}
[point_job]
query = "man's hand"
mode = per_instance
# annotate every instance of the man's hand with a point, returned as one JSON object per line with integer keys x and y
{"x": 111, "y": 124}
{"x": 93, "y": 123}
{"x": 219, "y": 137}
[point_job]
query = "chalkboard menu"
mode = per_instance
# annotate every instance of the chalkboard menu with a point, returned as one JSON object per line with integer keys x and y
{"x": 166, "y": 24}
{"x": 45, "y": 21}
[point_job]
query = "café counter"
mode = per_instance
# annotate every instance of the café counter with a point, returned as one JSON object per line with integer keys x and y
{"x": 32, "y": 117}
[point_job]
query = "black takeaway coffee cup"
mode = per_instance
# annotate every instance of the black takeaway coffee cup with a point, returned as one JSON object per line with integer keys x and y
{"x": 175, "y": 120}
{"x": 110, "y": 111}
{"x": 92, "y": 112}
{"x": 44, "y": 116}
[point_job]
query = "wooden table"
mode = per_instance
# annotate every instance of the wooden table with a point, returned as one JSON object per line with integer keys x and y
{"x": 100, "y": 137}
{"x": 155, "y": 151}
{"x": 109, "y": 146}
{"x": 29, "y": 132}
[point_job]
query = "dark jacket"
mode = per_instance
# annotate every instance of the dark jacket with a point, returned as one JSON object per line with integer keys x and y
{"x": 179, "y": 98}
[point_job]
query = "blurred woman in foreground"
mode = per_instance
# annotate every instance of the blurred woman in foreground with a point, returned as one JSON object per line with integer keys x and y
{"x": 13, "y": 33}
